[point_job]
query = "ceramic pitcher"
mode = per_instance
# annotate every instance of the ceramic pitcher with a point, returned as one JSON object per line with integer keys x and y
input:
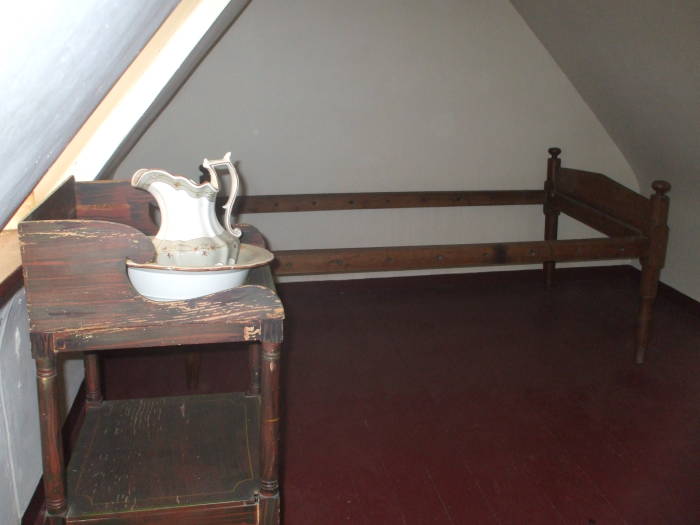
{"x": 190, "y": 235}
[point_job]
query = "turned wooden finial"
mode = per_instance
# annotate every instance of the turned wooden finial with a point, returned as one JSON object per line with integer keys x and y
{"x": 661, "y": 187}
{"x": 554, "y": 152}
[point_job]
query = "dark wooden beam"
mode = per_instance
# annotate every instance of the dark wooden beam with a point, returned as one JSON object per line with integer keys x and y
{"x": 346, "y": 260}
{"x": 59, "y": 205}
{"x": 116, "y": 201}
{"x": 365, "y": 201}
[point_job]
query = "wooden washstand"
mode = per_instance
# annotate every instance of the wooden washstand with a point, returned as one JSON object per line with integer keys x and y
{"x": 204, "y": 459}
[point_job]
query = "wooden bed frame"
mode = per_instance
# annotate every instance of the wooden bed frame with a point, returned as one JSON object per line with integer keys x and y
{"x": 634, "y": 227}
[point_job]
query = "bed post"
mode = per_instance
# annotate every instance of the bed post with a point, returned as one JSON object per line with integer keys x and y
{"x": 652, "y": 262}
{"x": 551, "y": 213}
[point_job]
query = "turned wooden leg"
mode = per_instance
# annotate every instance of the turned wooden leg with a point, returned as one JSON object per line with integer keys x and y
{"x": 270, "y": 509}
{"x": 93, "y": 381}
{"x": 269, "y": 490}
{"x": 652, "y": 262}
{"x": 254, "y": 367}
{"x": 551, "y": 213}
{"x": 51, "y": 444}
{"x": 550, "y": 234}
{"x": 54, "y": 520}
{"x": 648, "y": 288}
{"x": 193, "y": 363}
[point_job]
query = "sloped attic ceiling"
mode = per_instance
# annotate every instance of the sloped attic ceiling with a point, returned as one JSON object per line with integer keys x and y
{"x": 637, "y": 65}
{"x": 58, "y": 60}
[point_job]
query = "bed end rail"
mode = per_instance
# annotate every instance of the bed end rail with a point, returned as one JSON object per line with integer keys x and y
{"x": 611, "y": 208}
{"x": 585, "y": 192}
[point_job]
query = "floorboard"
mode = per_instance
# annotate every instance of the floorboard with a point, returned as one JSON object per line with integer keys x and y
{"x": 477, "y": 398}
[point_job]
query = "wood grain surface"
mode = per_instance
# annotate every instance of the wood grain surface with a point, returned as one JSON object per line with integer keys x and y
{"x": 596, "y": 219}
{"x": 605, "y": 194}
{"x": 367, "y": 201}
{"x": 78, "y": 289}
{"x": 344, "y": 260}
{"x": 160, "y": 453}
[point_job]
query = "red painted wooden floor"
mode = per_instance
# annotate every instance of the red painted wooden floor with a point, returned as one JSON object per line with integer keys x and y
{"x": 479, "y": 398}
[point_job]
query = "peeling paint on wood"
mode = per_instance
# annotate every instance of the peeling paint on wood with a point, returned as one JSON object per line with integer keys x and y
{"x": 78, "y": 288}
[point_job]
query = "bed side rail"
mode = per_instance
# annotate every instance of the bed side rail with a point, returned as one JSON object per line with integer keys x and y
{"x": 387, "y": 258}
{"x": 118, "y": 201}
{"x": 368, "y": 201}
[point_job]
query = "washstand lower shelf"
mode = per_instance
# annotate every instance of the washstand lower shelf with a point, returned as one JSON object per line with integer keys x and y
{"x": 167, "y": 460}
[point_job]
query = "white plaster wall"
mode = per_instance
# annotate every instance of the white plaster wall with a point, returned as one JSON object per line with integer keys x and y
{"x": 8, "y": 506}
{"x": 20, "y": 452}
{"x": 637, "y": 63}
{"x": 319, "y": 96}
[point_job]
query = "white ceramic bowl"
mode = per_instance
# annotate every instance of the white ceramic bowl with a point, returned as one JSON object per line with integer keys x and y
{"x": 174, "y": 285}
{"x": 164, "y": 283}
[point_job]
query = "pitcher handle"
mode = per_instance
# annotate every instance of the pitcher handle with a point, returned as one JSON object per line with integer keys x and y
{"x": 210, "y": 166}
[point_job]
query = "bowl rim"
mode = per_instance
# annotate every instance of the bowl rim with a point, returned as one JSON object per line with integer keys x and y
{"x": 260, "y": 256}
